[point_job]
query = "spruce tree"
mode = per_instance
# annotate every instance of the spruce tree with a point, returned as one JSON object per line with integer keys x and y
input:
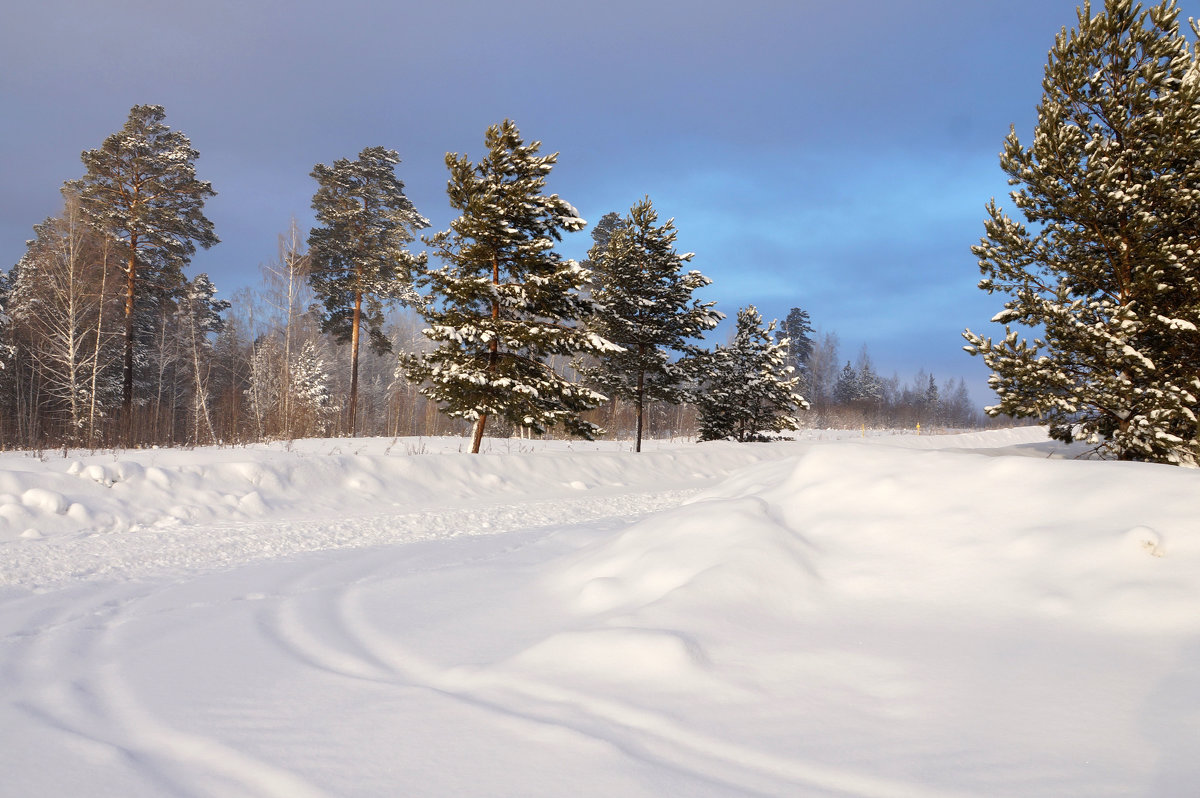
{"x": 504, "y": 302}
{"x": 846, "y": 389}
{"x": 310, "y": 388}
{"x": 798, "y": 330}
{"x": 870, "y": 386}
{"x": 747, "y": 388}
{"x": 645, "y": 305}
{"x": 358, "y": 255}
{"x": 931, "y": 404}
{"x": 141, "y": 189}
{"x": 602, "y": 231}
{"x": 1108, "y": 270}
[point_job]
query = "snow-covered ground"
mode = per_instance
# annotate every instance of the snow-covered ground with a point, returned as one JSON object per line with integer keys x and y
{"x": 970, "y": 615}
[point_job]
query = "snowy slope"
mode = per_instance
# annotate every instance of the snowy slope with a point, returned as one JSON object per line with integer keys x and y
{"x": 968, "y": 615}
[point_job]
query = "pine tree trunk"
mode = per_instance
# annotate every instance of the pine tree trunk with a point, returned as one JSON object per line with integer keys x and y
{"x": 477, "y": 438}
{"x": 493, "y": 354}
{"x": 354, "y": 361}
{"x": 641, "y": 397}
{"x": 127, "y": 377}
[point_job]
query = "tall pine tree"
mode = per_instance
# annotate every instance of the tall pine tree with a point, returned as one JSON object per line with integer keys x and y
{"x": 504, "y": 302}
{"x": 645, "y": 305}
{"x": 1109, "y": 268}
{"x": 141, "y": 189}
{"x": 358, "y": 255}
{"x": 748, "y": 388}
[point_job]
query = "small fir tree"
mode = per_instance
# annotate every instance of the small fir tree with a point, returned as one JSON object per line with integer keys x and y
{"x": 358, "y": 256}
{"x": 645, "y": 305}
{"x": 1109, "y": 269}
{"x": 747, "y": 388}
{"x": 312, "y": 396}
{"x": 505, "y": 302}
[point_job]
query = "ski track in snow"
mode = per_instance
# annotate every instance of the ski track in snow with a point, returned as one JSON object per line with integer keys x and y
{"x": 99, "y": 714}
{"x": 93, "y": 705}
{"x": 367, "y": 653}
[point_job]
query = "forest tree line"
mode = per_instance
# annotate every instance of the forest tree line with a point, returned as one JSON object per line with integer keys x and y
{"x": 105, "y": 341}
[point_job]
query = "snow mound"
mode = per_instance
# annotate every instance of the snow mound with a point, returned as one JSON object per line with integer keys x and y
{"x": 940, "y": 528}
{"x": 714, "y": 553}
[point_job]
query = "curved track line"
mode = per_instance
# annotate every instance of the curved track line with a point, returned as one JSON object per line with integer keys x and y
{"x": 68, "y": 676}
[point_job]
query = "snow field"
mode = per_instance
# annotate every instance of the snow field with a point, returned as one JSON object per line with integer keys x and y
{"x": 954, "y": 616}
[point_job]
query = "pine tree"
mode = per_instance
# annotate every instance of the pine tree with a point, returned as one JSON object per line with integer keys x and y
{"x": 141, "y": 189}
{"x": 504, "y": 302}
{"x": 645, "y": 305}
{"x": 1109, "y": 268}
{"x": 748, "y": 388}
{"x": 358, "y": 257}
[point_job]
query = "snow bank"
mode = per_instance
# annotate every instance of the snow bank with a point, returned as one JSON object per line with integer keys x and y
{"x": 115, "y": 492}
{"x": 140, "y": 512}
{"x": 141, "y": 493}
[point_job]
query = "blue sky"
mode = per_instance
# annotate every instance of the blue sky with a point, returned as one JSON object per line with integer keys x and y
{"x": 830, "y": 156}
